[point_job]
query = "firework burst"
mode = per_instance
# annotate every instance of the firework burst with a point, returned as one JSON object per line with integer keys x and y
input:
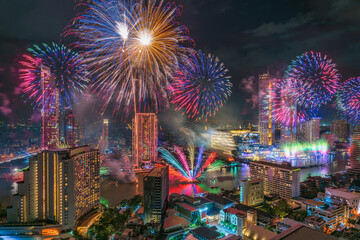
{"x": 67, "y": 75}
{"x": 132, "y": 48}
{"x": 348, "y": 101}
{"x": 285, "y": 110}
{"x": 201, "y": 87}
{"x": 180, "y": 165}
{"x": 314, "y": 78}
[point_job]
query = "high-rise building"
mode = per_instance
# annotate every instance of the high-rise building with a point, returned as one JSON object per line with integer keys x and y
{"x": 144, "y": 139}
{"x": 156, "y": 193}
{"x": 71, "y": 131}
{"x": 340, "y": 129}
{"x": 355, "y": 153}
{"x": 50, "y": 115}
{"x": 251, "y": 191}
{"x": 312, "y": 130}
{"x": 266, "y": 125}
{"x": 59, "y": 186}
{"x": 280, "y": 179}
{"x": 104, "y": 141}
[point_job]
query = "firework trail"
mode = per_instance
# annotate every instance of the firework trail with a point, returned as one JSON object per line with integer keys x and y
{"x": 201, "y": 86}
{"x": 180, "y": 166}
{"x": 131, "y": 48}
{"x": 348, "y": 101}
{"x": 314, "y": 79}
{"x": 67, "y": 74}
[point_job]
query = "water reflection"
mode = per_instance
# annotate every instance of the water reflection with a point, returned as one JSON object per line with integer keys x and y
{"x": 225, "y": 178}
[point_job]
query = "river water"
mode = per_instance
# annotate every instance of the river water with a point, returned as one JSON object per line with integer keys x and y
{"x": 116, "y": 191}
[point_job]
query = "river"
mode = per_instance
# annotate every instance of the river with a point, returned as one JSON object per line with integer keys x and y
{"x": 115, "y": 192}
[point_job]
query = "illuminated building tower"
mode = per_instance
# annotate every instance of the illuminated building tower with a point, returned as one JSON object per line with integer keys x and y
{"x": 156, "y": 193}
{"x": 50, "y": 131}
{"x": 266, "y": 125}
{"x": 311, "y": 130}
{"x": 144, "y": 139}
{"x": 340, "y": 129}
{"x": 355, "y": 152}
{"x": 104, "y": 141}
{"x": 280, "y": 179}
{"x": 59, "y": 185}
{"x": 72, "y": 131}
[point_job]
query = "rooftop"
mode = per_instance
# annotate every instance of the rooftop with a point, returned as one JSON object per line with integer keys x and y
{"x": 343, "y": 193}
{"x": 206, "y": 233}
{"x": 232, "y": 210}
{"x": 271, "y": 164}
{"x": 187, "y": 206}
{"x": 257, "y": 232}
{"x": 300, "y": 232}
{"x": 219, "y": 199}
{"x": 289, "y": 222}
{"x": 245, "y": 208}
{"x": 156, "y": 172}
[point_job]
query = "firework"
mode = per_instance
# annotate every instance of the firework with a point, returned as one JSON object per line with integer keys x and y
{"x": 314, "y": 79}
{"x": 201, "y": 86}
{"x": 67, "y": 75}
{"x": 180, "y": 165}
{"x": 131, "y": 50}
{"x": 348, "y": 101}
{"x": 292, "y": 149}
{"x": 285, "y": 110}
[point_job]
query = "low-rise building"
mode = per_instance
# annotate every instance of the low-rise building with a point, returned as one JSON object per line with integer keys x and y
{"x": 263, "y": 218}
{"x": 233, "y": 219}
{"x": 220, "y": 202}
{"x": 206, "y": 233}
{"x": 351, "y": 198}
{"x": 251, "y": 191}
{"x": 300, "y": 232}
{"x": 285, "y": 224}
{"x": 333, "y": 215}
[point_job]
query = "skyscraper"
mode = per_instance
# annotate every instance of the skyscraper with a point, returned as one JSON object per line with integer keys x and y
{"x": 311, "y": 130}
{"x": 104, "y": 141}
{"x": 59, "y": 186}
{"x": 355, "y": 152}
{"x": 266, "y": 125}
{"x": 340, "y": 129}
{"x": 278, "y": 179}
{"x": 50, "y": 115}
{"x": 144, "y": 139}
{"x": 156, "y": 193}
{"x": 72, "y": 131}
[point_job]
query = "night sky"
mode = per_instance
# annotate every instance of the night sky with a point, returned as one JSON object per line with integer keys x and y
{"x": 247, "y": 35}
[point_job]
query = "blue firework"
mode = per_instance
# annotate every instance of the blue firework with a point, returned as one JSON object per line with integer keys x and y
{"x": 315, "y": 79}
{"x": 348, "y": 100}
{"x": 201, "y": 86}
{"x": 65, "y": 74}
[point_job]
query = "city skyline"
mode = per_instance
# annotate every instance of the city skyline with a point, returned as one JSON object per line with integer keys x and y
{"x": 206, "y": 119}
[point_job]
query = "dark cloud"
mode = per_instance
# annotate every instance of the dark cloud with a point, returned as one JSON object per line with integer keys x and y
{"x": 270, "y": 28}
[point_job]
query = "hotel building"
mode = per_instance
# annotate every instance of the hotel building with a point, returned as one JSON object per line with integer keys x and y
{"x": 59, "y": 187}
{"x": 280, "y": 179}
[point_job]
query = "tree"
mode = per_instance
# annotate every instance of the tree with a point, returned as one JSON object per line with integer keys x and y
{"x": 282, "y": 209}
{"x": 299, "y": 215}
